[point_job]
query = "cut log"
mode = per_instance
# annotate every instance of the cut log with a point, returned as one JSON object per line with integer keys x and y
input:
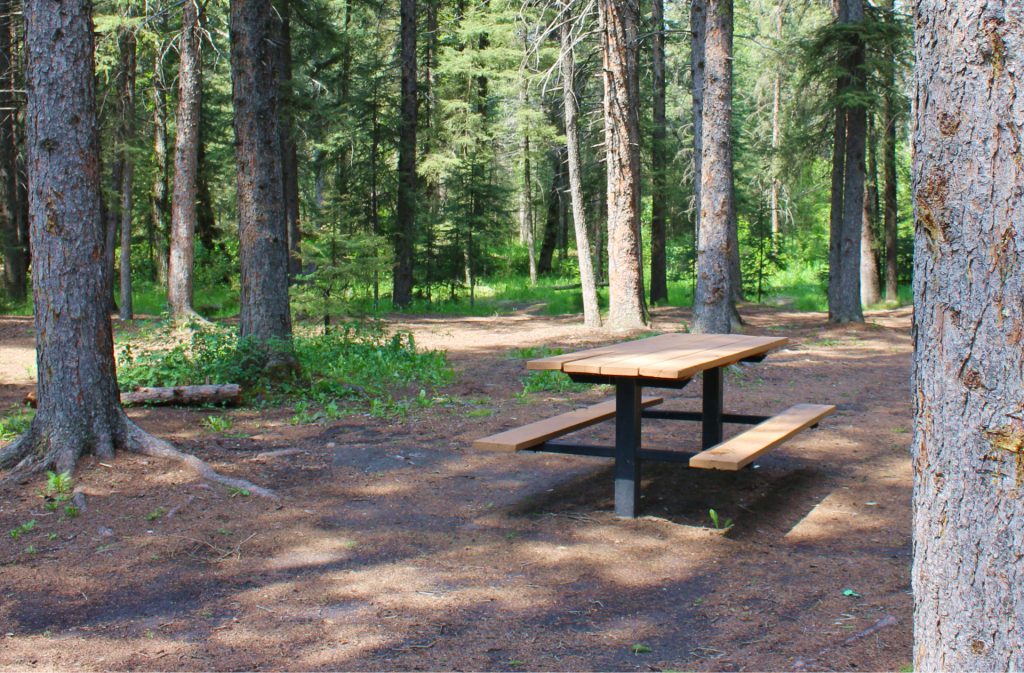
{"x": 228, "y": 394}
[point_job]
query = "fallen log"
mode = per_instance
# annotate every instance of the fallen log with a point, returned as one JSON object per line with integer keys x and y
{"x": 228, "y": 394}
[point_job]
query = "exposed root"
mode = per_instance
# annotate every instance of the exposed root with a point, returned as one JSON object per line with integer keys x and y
{"x": 20, "y": 458}
{"x": 140, "y": 441}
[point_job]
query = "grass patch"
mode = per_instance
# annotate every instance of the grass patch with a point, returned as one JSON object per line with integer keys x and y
{"x": 15, "y": 422}
{"x": 359, "y": 367}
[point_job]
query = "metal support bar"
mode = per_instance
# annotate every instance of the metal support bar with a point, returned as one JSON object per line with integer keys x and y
{"x": 645, "y": 382}
{"x": 711, "y": 430}
{"x": 627, "y": 446}
{"x": 575, "y": 449}
{"x": 666, "y": 456}
{"x": 742, "y": 419}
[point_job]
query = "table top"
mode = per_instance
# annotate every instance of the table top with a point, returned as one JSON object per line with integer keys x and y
{"x": 675, "y": 356}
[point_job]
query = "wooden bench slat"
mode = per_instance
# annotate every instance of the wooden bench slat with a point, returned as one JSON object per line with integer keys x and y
{"x": 744, "y": 448}
{"x": 539, "y": 432}
{"x": 631, "y": 365}
{"x": 557, "y": 361}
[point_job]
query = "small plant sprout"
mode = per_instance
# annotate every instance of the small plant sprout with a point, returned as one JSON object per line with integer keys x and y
{"x": 218, "y": 423}
{"x": 156, "y": 514}
{"x": 22, "y": 529}
{"x": 639, "y": 648}
{"x": 235, "y": 492}
{"x": 719, "y": 524}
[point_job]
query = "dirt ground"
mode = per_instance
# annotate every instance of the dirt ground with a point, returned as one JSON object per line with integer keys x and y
{"x": 396, "y": 546}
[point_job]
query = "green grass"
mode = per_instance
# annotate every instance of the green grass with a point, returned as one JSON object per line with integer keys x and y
{"x": 211, "y": 302}
{"x": 15, "y": 422}
{"x": 356, "y": 368}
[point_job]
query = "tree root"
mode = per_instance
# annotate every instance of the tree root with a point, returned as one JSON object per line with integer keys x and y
{"x": 140, "y": 441}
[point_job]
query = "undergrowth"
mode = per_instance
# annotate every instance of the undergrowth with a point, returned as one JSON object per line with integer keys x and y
{"x": 357, "y": 367}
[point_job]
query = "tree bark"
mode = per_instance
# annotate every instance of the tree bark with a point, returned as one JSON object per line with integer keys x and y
{"x": 262, "y": 227}
{"x": 698, "y": 31}
{"x": 776, "y": 185}
{"x": 127, "y": 44}
{"x": 968, "y": 445}
{"x": 545, "y": 263}
{"x": 844, "y": 273}
{"x": 889, "y": 199}
{"x": 870, "y": 292}
{"x": 526, "y": 228}
{"x": 713, "y": 306}
{"x": 186, "y": 164}
{"x": 12, "y": 243}
{"x": 591, "y": 309}
{"x": 158, "y": 199}
{"x": 659, "y": 191}
{"x": 626, "y": 309}
{"x": 405, "y": 212}
{"x": 226, "y": 394}
{"x": 289, "y": 151}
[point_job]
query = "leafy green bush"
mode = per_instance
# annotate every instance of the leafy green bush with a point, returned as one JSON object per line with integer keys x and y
{"x": 15, "y": 423}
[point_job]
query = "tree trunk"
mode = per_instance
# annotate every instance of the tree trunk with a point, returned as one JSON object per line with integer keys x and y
{"x": 659, "y": 191}
{"x": 869, "y": 289}
{"x": 844, "y": 274}
{"x": 526, "y": 228}
{"x": 158, "y": 200}
{"x": 698, "y": 32}
{"x": 127, "y": 47}
{"x": 206, "y": 221}
{"x": 262, "y": 226}
{"x": 626, "y": 309}
{"x": 968, "y": 446}
{"x": 591, "y": 309}
{"x": 12, "y": 243}
{"x": 405, "y": 212}
{"x": 289, "y": 151}
{"x": 545, "y": 263}
{"x": 713, "y": 300}
{"x": 186, "y": 164}
{"x": 777, "y": 133}
{"x": 889, "y": 172}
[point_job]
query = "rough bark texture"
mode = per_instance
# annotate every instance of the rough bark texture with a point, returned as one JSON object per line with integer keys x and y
{"x": 262, "y": 227}
{"x": 186, "y": 161}
{"x": 545, "y": 262}
{"x": 289, "y": 151}
{"x": 626, "y": 309}
{"x": 776, "y": 185}
{"x": 126, "y": 129}
{"x": 659, "y": 191}
{"x": 158, "y": 199}
{"x": 12, "y": 244}
{"x": 698, "y": 30}
{"x": 591, "y": 309}
{"x": 847, "y": 215}
{"x": 713, "y": 301}
{"x": 526, "y": 227}
{"x": 405, "y": 213}
{"x": 889, "y": 199}
{"x": 870, "y": 291}
{"x": 969, "y": 332}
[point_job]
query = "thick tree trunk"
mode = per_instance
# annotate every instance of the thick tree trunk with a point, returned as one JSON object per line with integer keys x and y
{"x": 158, "y": 199}
{"x": 713, "y": 306}
{"x": 225, "y": 394}
{"x": 698, "y": 32}
{"x": 626, "y": 309}
{"x": 969, "y": 331}
{"x": 844, "y": 275}
{"x": 126, "y": 129}
{"x": 889, "y": 198}
{"x": 206, "y": 221}
{"x": 591, "y": 309}
{"x": 289, "y": 151}
{"x": 870, "y": 292}
{"x": 659, "y": 191}
{"x": 186, "y": 164}
{"x": 405, "y": 212}
{"x": 12, "y": 244}
{"x": 262, "y": 227}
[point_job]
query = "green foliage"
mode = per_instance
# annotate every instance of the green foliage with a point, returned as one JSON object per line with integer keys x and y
{"x": 218, "y": 423}
{"x": 15, "y": 422}
{"x": 640, "y": 648}
{"x": 551, "y": 381}
{"x": 719, "y": 524}
{"x": 156, "y": 514}
{"x": 22, "y": 529}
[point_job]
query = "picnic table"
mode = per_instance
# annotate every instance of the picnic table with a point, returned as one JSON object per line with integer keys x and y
{"x": 664, "y": 361}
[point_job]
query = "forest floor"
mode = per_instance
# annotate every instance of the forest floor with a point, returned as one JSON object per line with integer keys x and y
{"x": 396, "y": 546}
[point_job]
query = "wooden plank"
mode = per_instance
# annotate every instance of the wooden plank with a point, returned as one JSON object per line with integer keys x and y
{"x": 687, "y": 366}
{"x": 744, "y": 448}
{"x": 557, "y": 362}
{"x": 631, "y": 365}
{"x": 549, "y": 428}
{"x": 654, "y": 347}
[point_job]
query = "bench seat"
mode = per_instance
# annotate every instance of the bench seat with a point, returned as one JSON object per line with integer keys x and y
{"x": 537, "y": 433}
{"x": 741, "y": 450}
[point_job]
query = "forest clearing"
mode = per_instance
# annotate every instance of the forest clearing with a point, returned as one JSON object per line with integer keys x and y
{"x": 397, "y": 547}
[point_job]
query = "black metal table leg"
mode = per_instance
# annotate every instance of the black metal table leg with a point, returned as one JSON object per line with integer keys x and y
{"x": 627, "y": 447}
{"x": 711, "y": 424}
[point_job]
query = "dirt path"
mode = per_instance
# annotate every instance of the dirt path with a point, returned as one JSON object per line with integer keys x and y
{"x": 399, "y": 547}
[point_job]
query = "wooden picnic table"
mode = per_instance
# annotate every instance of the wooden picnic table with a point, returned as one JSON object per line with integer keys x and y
{"x": 664, "y": 361}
